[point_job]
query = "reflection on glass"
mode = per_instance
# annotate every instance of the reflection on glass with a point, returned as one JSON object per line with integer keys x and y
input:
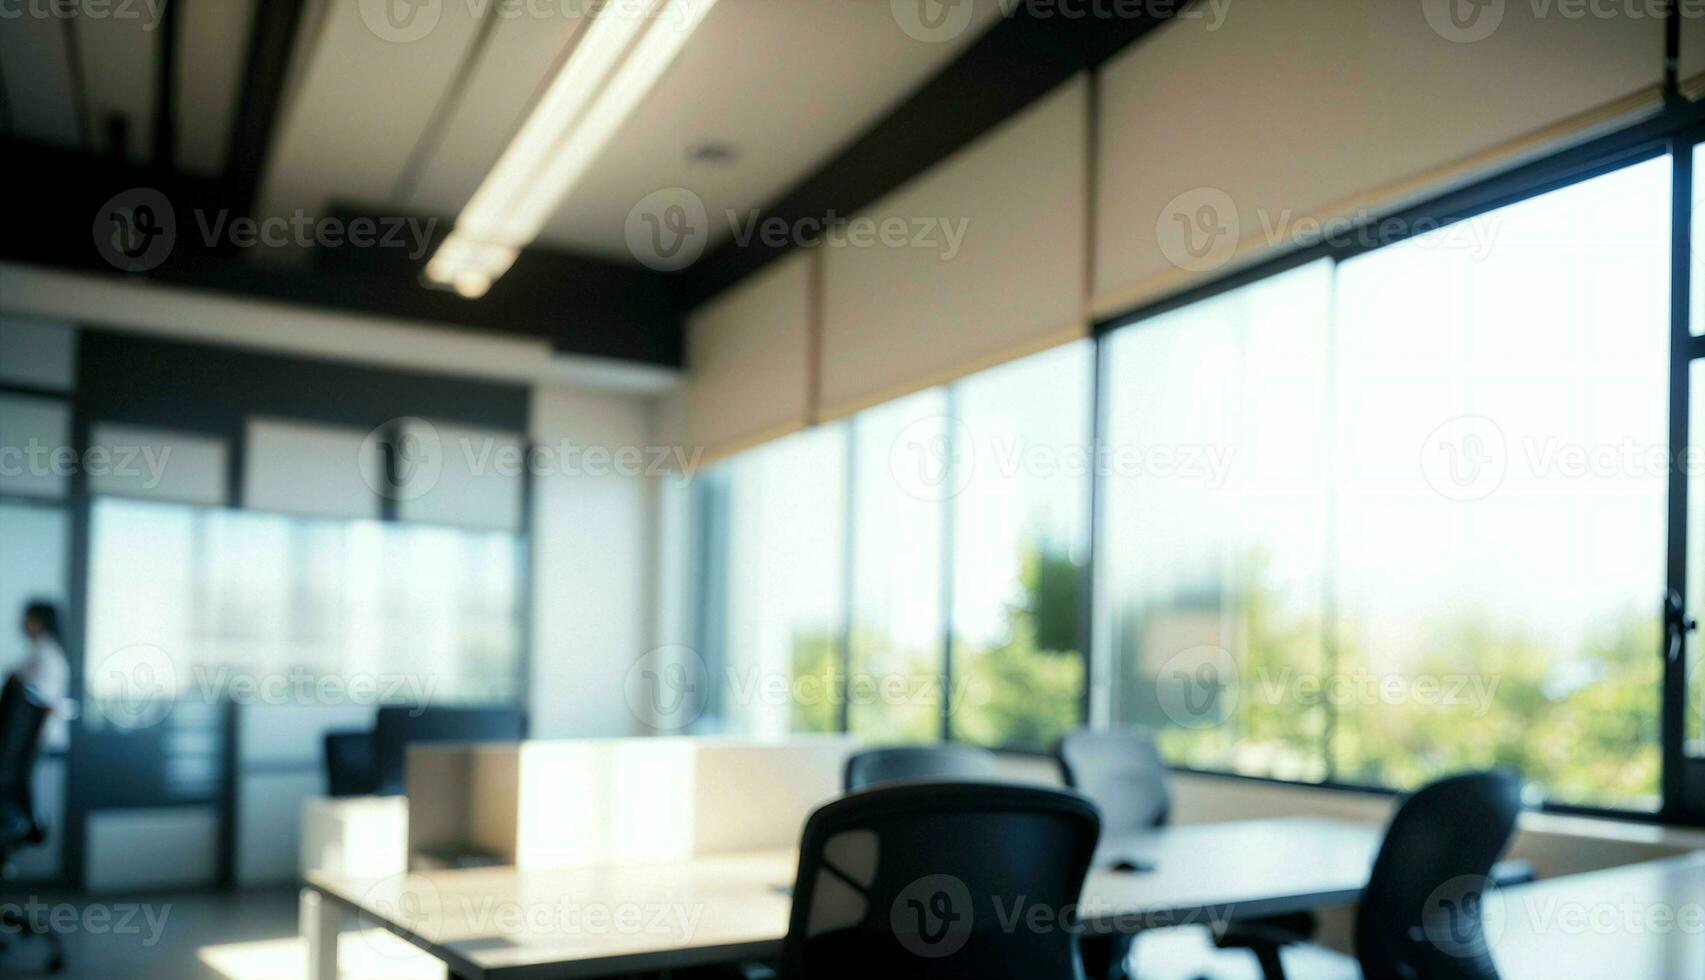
{"x": 1020, "y": 540}
{"x": 1216, "y": 524}
{"x": 904, "y": 466}
{"x": 780, "y": 616}
{"x": 198, "y": 603}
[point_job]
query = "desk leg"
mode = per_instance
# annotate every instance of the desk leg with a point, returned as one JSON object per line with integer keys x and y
{"x": 320, "y": 922}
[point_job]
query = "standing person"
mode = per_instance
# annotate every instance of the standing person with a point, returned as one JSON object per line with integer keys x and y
{"x": 46, "y": 669}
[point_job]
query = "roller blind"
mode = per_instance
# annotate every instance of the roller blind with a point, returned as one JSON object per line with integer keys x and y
{"x": 748, "y": 360}
{"x": 977, "y": 261}
{"x": 1235, "y": 131}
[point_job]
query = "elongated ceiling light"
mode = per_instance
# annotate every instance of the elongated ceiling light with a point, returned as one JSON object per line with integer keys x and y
{"x": 622, "y": 55}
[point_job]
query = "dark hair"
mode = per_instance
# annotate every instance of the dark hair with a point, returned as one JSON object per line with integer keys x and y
{"x": 45, "y": 613}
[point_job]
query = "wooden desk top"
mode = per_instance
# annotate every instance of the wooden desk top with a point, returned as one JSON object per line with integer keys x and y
{"x": 589, "y": 921}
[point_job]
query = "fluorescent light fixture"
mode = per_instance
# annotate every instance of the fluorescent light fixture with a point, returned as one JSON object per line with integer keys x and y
{"x": 623, "y": 52}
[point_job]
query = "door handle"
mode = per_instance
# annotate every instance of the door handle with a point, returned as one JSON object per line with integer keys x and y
{"x": 1677, "y": 624}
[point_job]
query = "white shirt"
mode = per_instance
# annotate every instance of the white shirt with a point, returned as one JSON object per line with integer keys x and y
{"x": 46, "y": 669}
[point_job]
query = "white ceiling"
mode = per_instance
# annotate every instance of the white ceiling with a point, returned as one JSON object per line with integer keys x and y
{"x": 786, "y": 83}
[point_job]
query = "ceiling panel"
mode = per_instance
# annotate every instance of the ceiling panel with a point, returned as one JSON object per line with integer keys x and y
{"x": 360, "y": 105}
{"x": 35, "y": 68}
{"x": 519, "y": 61}
{"x": 785, "y": 82}
{"x": 211, "y": 55}
{"x": 120, "y": 59}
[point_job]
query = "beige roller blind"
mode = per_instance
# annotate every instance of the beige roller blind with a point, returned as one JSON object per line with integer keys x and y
{"x": 748, "y": 359}
{"x": 983, "y": 261}
{"x": 1222, "y": 137}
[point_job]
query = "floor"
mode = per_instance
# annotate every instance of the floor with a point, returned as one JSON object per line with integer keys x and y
{"x": 242, "y": 935}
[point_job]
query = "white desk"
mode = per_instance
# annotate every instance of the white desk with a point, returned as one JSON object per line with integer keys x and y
{"x": 514, "y": 924}
{"x": 1640, "y": 922}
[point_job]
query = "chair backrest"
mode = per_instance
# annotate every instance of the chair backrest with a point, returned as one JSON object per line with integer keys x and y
{"x": 949, "y": 881}
{"x": 349, "y": 763}
{"x": 396, "y": 727}
{"x": 1122, "y": 773}
{"x": 23, "y": 714}
{"x": 873, "y": 767}
{"x": 1421, "y": 913}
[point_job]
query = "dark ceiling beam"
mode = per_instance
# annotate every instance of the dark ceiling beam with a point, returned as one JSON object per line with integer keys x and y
{"x": 165, "y": 154}
{"x": 1014, "y": 64}
{"x": 577, "y": 304}
{"x": 79, "y": 82}
{"x": 272, "y": 39}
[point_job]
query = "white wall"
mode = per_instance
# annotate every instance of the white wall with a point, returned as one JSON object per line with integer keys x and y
{"x": 591, "y": 588}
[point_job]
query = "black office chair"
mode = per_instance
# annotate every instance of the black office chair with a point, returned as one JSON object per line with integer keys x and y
{"x": 1122, "y": 772}
{"x": 23, "y": 713}
{"x": 874, "y": 767}
{"x": 1420, "y": 914}
{"x": 918, "y": 881}
{"x": 349, "y": 764}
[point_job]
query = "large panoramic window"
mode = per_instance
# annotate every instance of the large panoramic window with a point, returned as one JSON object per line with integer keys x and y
{"x": 1370, "y": 519}
{"x": 1437, "y": 539}
{"x": 905, "y": 462}
{"x": 1020, "y": 537}
{"x": 1215, "y": 534}
{"x": 781, "y": 537}
{"x": 1502, "y": 431}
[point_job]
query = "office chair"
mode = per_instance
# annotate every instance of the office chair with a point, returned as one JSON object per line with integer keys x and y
{"x": 349, "y": 764}
{"x": 937, "y": 763}
{"x": 1122, "y": 772}
{"x": 921, "y": 881}
{"x": 22, "y": 715}
{"x": 1420, "y": 914}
